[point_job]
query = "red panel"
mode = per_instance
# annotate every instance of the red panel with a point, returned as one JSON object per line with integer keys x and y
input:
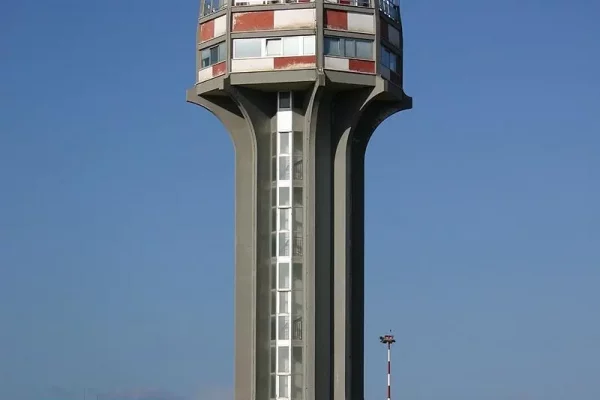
{"x": 219, "y": 69}
{"x": 254, "y": 21}
{"x": 383, "y": 27}
{"x": 335, "y": 19}
{"x": 207, "y": 30}
{"x": 362, "y": 66}
{"x": 294, "y": 62}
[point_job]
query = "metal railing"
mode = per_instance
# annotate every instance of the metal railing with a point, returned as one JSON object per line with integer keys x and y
{"x": 390, "y": 8}
{"x": 297, "y": 329}
{"x": 212, "y": 6}
{"x": 298, "y": 246}
{"x": 355, "y": 3}
{"x": 260, "y": 2}
{"x": 298, "y": 169}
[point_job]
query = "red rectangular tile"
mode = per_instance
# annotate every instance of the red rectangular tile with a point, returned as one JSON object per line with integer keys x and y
{"x": 207, "y": 31}
{"x": 219, "y": 69}
{"x": 361, "y": 66}
{"x": 294, "y": 62}
{"x": 335, "y": 19}
{"x": 253, "y": 21}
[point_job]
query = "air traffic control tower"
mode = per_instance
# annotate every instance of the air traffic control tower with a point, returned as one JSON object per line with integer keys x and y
{"x": 300, "y": 85}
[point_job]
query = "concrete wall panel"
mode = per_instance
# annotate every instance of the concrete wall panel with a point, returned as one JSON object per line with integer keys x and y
{"x": 220, "y": 26}
{"x": 295, "y": 19}
{"x": 252, "y": 64}
{"x": 337, "y": 63}
{"x": 212, "y": 72}
{"x": 364, "y": 23}
{"x": 205, "y": 74}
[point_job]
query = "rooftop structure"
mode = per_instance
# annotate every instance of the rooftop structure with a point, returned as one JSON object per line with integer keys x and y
{"x": 300, "y": 85}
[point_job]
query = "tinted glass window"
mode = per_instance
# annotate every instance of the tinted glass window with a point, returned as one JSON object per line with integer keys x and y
{"x": 246, "y": 48}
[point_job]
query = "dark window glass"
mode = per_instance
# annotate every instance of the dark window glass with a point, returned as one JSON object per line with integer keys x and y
{"x": 273, "y": 330}
{"x": 349, "y": 48}
{"x": 298, "y": 98}
{"x": 285, "y": 101}
{"x": 298, "y": 142}
{"x": 205, "y": 58}
{"x": 364, "y": 49}
{"x": 332, "y": 46}
{"x": 222, "y": 52}
{"x": 214, "y": 55}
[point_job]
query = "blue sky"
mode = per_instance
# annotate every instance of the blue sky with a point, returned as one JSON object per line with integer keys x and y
{"x": 482, "y": 220}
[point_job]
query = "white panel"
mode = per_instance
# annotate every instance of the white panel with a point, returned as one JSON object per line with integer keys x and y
{"x": 394, "y": 36}
{"x": 361, "y": 23}
{"x": 337, "y": 63}
{"x": 220, "y": 26}
{"x": 205, "y": 74}
{"x": 308, "y": 45}
{"x": 385, "y": 72}
{"x": 284, "y": 121}
{"x": 295, "y": 19}
{"x": 252, "y": 64}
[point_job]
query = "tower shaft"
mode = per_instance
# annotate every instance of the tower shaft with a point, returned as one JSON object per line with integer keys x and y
{"x": 299, "y": 241}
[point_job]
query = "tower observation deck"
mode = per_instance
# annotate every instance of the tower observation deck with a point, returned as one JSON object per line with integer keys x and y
{"x": 300, "y": 85}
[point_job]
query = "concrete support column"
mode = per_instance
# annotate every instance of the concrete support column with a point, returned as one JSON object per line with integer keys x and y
{"x": 336, "y": 126}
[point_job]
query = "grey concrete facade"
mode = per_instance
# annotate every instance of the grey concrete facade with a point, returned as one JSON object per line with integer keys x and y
{"x": 334, "y": 113}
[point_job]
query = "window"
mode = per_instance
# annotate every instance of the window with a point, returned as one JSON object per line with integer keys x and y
{"x": 284, "y": 137}
{"x": 332, "y": 46}
{"x": 213, "y": 55}
{"x": 364, "y": 49}
{"x": 284, "y": 196}
{"x": 284, "y": 276}
{"x": 285, "y": 101}
{"x": 211, "y": 6}
{"x": 284, "y": 219}
{"x": 247, "y": 48}
{"x": 283, "y": 359}
{"x": 284, "y": 247}
{"x": 297, "y": 276}
{"x": 284, "y": 302}
{"x": 285, "y": 168}
{"x": 273, "y": 333}
{"x": 389, "y": 59}
{"x": 309, "y": 45}
{"x": 273, "y": 47}
{"x": 350, "y": 48}
{"x": 291, "y": 46}
{"x": 284, "y": 387}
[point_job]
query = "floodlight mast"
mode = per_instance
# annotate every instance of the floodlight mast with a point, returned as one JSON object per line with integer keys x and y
{"x": 388, "y": 340}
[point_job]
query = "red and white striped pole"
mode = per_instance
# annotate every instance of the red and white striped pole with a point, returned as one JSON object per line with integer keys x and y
{"x": 388, "y": 340}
